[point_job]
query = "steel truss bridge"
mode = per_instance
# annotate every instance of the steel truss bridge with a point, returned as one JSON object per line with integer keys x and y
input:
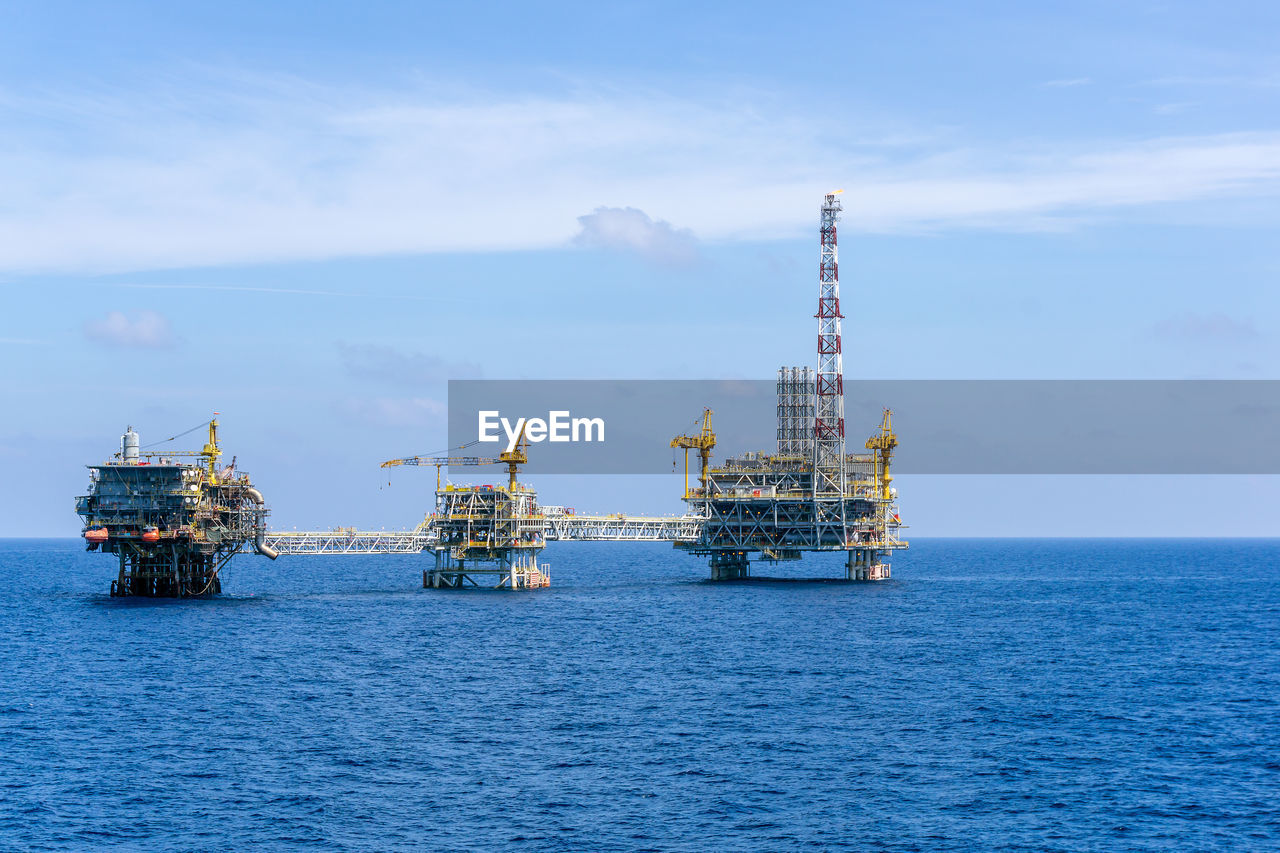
{"x": 623, "y": 528}
{"x": 562, "y": 528}
{"x": 350, "y": 541}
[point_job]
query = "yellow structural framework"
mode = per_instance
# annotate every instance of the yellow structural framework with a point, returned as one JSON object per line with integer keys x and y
{"x": 703, "y": 442}
{"x": 883, "y": 443}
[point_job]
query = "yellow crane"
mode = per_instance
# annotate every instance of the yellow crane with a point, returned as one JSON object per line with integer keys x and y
{"x": 513, "y": 459}
{"x": 211, "y": 452}
{"x": 439, "y": 462}
{"x": 883, "y": 443}
{"x": 702, "y": 442}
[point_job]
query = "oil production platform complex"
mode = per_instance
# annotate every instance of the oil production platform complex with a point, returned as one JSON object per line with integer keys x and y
{"x": 809, "y": 494}
{"x": 173, "y": 525}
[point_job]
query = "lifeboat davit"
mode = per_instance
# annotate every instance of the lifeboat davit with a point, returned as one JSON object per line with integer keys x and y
{"x": 97, "y": 534}
{"x": 150, "y": 534}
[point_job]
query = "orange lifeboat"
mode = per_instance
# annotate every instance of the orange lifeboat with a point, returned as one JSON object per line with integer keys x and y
{"x": 150, "y": 534}
{"x": 97, "y": 534}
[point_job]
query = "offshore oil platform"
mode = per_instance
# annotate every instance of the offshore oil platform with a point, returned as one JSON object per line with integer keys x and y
{"x": 809, "y": 494}
{"x": 479, "y": 531}
{"x": 172, "y": 524}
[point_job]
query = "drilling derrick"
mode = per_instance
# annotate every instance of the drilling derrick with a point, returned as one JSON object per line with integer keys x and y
{"x": 809, "y": 494}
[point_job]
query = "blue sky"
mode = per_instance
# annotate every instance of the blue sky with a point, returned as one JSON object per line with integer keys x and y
{"x": 309, "y": 216}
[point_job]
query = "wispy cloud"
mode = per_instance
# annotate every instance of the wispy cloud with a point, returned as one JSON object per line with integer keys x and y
{"x": 630, "y": 230}
{"x": 1232, "y": 81}
{"x": 290, "y": 291}
{"x": 232, "y": 287}
{"x": 1052, "y": 189}
{"x": 146, "y": 330}
{"x": 1067, "y": 83}
{"x": 389, "y": 365}
{"x": 248, "y": 170}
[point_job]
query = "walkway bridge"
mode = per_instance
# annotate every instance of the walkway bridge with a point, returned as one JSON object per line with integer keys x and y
{"x": 559, "y": 528}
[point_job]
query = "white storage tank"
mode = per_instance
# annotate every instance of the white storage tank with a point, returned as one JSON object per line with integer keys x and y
{"x": 129, "y": 445}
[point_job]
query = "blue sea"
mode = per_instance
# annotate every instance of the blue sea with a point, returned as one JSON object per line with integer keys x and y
{"x": 1034, "y": 695}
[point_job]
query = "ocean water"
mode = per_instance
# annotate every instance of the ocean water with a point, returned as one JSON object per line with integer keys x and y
{"x": 1030, "y": 695}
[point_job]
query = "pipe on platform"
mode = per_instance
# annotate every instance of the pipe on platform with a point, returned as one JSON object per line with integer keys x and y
{"x": 260, "y": 526}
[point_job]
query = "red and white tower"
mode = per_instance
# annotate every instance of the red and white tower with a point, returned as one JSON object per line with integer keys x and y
{"x": 828, "y": 422}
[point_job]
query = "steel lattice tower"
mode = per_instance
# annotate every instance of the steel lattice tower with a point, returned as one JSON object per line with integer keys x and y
{"x": 828, "y": 422}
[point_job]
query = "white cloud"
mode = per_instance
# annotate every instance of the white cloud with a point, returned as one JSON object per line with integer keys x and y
{"x": 631, "y": 230}
{"x": 1041, "y": 190}
{"x": 1068, "y": 83}
{"x": 147, "y": 329}
{"x": 263, "y": 170}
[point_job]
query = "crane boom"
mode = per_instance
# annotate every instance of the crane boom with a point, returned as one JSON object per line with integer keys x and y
{"x": 513, "y": 459}
{"x": 440, "y": 462}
